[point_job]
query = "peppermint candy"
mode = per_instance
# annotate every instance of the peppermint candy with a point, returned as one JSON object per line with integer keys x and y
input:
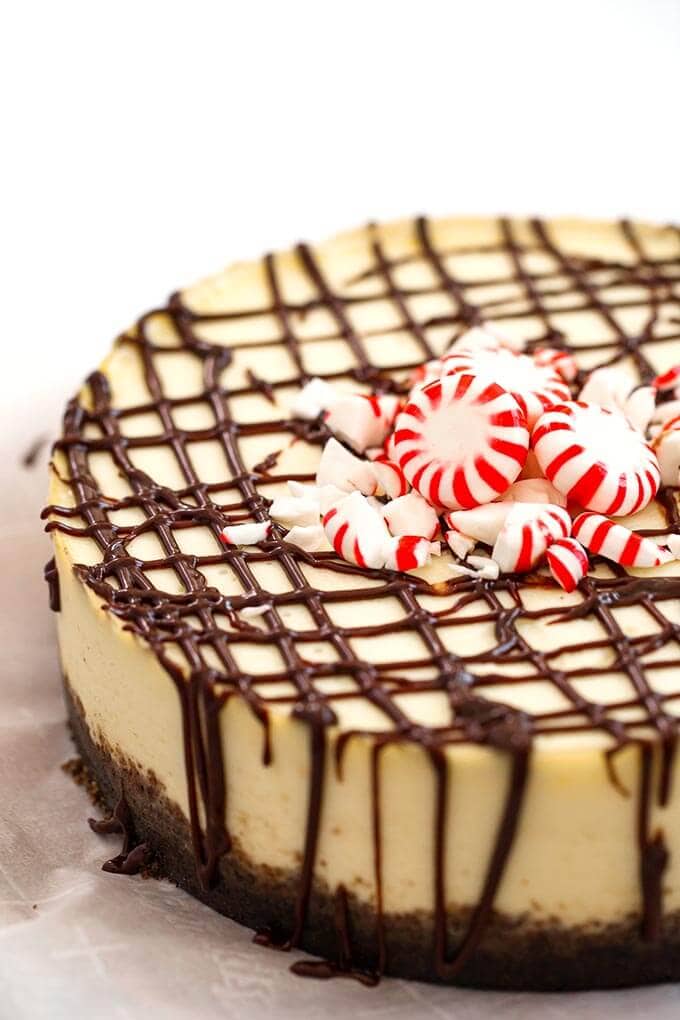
{"x": 528, "y": 530}
{"x": 309, "y": 538}
{"x": 245, "y": 534}
{"x": 461, "y": 441}
{"x": 568, "y": 562}
{"x": 411, "y": 515}
{"x": 362, "y": 421}
{"x": 357, "y": 532}
{"x": 666, "y": 446}
{"x": 315, "y": 396}
{"x": 668, "y": 380}
{"x": 390, "y": 479}
{"x": 292, "y": 510}
{"x": 534, "y": 387}
{"x": 341, "y": 468}
{"x": 617, "y": 543}
{"x": 611, "y": 387}
{"x": 595, "y": 458}
{"x": 408, "y": 552}
{"x": 563, "y": 362}
{"x": 459, "y": 544}
{"x": 481, "y": 568}
{"x": 482, "y": 523}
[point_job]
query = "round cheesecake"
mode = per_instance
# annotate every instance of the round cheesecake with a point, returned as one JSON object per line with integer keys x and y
{"x": 419, "y": 773}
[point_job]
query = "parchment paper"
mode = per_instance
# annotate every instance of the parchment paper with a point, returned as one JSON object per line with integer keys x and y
{"x": 77, "y": 942}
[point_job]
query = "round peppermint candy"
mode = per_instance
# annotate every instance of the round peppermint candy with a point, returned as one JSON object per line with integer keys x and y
{"x": 461, "y": 441}
{"x": 535, "y": 386}
{"x": 595, "y": 458}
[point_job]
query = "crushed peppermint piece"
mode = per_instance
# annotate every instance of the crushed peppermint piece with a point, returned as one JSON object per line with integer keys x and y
{"x": 563, "y": 362}
{"x": 362, "y": 421}
{"x": 481, "y": 523}
{"x": 290, "y": 510}
{"x": 459, "y": 544}
{"x": 534, "y": 490}
{"x": 568, "y": 562}
{"x": 411, "y": 515}
{"x": 615, "y": 542}
{"x": 668, "y": 380}
{"x": 407, "y": 552}
{"x": 310, "y": 537}
{"x": 357, "y": 532}
{"x": 245, "y": 534}
{"x": 341, "y": 468}
{"x": 390, "y": 479}
{"x": 315, "y": 397}
{"x": 528, "y": 530}
{"x": 666, "y": 446}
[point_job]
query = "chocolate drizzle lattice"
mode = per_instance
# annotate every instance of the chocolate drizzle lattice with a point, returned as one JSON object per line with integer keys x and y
{"x": 377, "y": 327}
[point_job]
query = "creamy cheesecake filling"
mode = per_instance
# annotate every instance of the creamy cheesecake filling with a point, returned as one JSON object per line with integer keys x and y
{"x": 491, "y": 704}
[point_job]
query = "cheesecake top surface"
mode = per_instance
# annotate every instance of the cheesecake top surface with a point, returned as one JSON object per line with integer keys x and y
{"x": 187, "y": 428}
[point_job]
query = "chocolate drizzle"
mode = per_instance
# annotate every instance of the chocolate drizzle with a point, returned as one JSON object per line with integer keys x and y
{"x": 133, "y": 856}
{"x": 191, "y": 620}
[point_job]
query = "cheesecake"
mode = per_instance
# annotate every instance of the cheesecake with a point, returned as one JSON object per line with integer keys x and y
{"x": 434, "y": 769}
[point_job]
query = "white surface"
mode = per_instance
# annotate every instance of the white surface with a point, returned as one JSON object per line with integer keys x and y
{"x": 147, "y": 144}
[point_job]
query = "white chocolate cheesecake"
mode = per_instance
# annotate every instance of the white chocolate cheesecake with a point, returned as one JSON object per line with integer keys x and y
{"x": 423, "y": 773}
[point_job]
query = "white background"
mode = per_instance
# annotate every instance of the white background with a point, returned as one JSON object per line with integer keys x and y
{"x": 149, "y": 143}
{"x": 146, "y": 144}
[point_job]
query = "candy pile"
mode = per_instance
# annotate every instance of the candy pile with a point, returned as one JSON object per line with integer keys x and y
{"x": 488, "y": 447}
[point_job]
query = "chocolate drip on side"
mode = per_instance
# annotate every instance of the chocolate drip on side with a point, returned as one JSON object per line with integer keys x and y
{"x": 51, "y": 575}
{"x": 132, "y": 857}
{"x": 161, "y": 618}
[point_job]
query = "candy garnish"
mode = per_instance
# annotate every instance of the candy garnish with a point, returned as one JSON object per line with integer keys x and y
{"x": 357, "y": 532}
{"x": 362, "y": 421}
{"x": 407, "y": 552}
{"x": 245, "y": 534}
{"x": 595, "y": 458}
{"x": 534, "y": 387}
{"x": 528, "y": 530}
{"x": 568, "y": 562}
{"x": 315, "y": 396}
{"x": 310, "y": 537}
{"x": 666, "y": 446}
{"x": 617, "y": 543}
{"x": 341, "y": 468}
{"x": 461, "y": 441}
{"x": 411, "y": 515}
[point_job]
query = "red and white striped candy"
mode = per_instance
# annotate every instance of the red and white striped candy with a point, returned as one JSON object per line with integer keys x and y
{"x": 534, "y": 387}
{"x": 483, "y": 523}
{"x": 461, "y": 441}
{"x": 668, "y": 380}
{"x": 568, "y": 562}
{"x": 362, "y": 421}
{"x": 340, "y": 467}
{"x": 245, "y": 534}
{"x": 666, "y": 446}
{"x": 357, "y": 532}
{"x": 528, "y": 531}
{"x": 459, "y": 544}
{"x": 563, "y": 362}
{"x": 389, "y": 477}
{"x": 595, "y": 458}
{"x": 411, "y": 515}
{"x": 615, "y": 542}
{"x": 407, "y": 552}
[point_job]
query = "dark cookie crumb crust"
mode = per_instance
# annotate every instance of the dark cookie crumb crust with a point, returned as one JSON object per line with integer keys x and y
{"x": 513, "y": 954}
